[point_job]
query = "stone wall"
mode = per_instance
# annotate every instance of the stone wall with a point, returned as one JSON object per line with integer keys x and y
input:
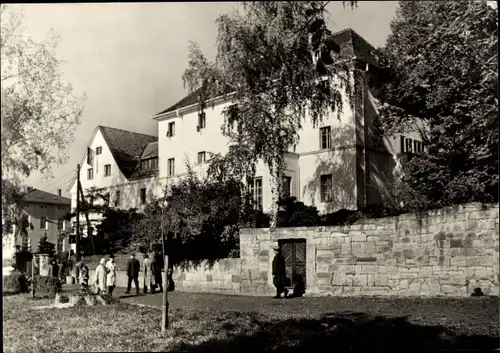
{"x": 449, "y": 251}
{"x": 220, "y": 277}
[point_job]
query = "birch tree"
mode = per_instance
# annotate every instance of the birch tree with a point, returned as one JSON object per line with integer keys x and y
{"x": 39, "y": 109}
{"x": 265, "y": 69}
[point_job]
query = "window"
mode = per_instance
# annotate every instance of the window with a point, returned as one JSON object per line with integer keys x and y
{"x": 117, "y": 198}
{"x": 60, "y": 223}
{"x": 171, "y": 170}
{"x": 60, "y": 244}
{"x": 201, "y": 157}
{"x": 142, "y": 195}
{"x": 202, "y": 122}
{"x": 171, "y": 129}
{"x": 154, "y": 163}
{"x": 98, "y": 150}
{"x": 107, "y": 170}
{"x": 151, "y": 163}
{"x": 90, "y": 174}
{"x": 43, "y": 223}
{"x": 256, "y": 192}
{"x": 409, "y": 145}
{"x": 90, "y": 156}
{"x": 326, "y": 137}
{"x": 145, "y": 165}
{"x": 326, "y": 188}
{"x": 287, "y": 187}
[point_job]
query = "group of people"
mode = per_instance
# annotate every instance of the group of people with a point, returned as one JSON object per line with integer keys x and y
{"x": 152, "y": 274}
{"x": 105, "y": 275}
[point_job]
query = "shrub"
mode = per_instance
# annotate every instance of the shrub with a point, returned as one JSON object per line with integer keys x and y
{"x": 293, "y": 213}
{"x": 21, "y": 259}
{"x": 47, "y": 286}
{"x": 16, "y": 282}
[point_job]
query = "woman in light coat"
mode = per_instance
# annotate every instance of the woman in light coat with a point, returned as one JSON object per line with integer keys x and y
{"x": 111, "y": 279}
{"x": 147, "y": 268}
{"x": 100, "y": 276}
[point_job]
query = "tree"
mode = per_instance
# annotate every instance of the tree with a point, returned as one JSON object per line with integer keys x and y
{"x": 201, "y": 219}
{"x": 46, "y": 247}
{"x": 265, "y": 69}
{"x": 441, "y": 70}
{"x": 39, "y": 110}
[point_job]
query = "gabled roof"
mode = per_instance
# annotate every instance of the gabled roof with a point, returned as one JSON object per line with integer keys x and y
{"x": 126, "y": 147}
{"x": 351, "y": 45}
{"x": 40, "y": 196}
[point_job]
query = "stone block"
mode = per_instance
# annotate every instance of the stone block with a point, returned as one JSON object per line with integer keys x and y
{"x": 352, "y": 290}
{"x": 357, "y": 236}
{"x": 414, "y": 288}
{"x": 381, "y": 280}
{"x": 360, "y": 280}
{"x": 367, "y": 269}
{"x": 346, "y": 248}
{"x": 484, "y": 274}
{"x": 373, "y": 238}
{"x": 339, "y": 280}
{"x": 358, "y": 248}
{"x": 458, "y": 261}
{"x": 347, "y": 269}
{"x": 370, "y": 248}
{"x": 453, "y": 290}
{"x": 486, "y": 224}
{"x": 323, "y": 275}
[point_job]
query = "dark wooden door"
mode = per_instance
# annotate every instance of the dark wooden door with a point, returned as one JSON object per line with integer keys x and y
{"x": 294, "y": 251}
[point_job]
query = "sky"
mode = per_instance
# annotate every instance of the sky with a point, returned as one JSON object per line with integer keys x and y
{"x": 129, "y": 58}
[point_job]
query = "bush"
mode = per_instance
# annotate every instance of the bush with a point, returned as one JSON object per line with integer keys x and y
{"x": 16, "y": 282}
{"x": 21, "y": 259}
{"x": 47, "y": 286}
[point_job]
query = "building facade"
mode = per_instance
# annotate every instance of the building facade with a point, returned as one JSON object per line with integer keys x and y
{"x": 46, "y": 215}
{"x": 122, "y": 166}
{"x": 342, "y": 163}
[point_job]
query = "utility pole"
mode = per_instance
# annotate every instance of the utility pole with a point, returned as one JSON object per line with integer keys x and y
{"x": 77, "y": 250}
{"x": 164, "y": 308}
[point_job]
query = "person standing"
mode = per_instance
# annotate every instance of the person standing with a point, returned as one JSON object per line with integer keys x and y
{"x": 83, "y": 274}
{"x": 60, "y": 270}
{"x": 147, "y": 268}
{"x": 101, "y": 276}
{"x": 111, "y": 279}
{"x": 133, "y": 268}
{"x": 157, "y": 265}
{"x": 279, "y": 272}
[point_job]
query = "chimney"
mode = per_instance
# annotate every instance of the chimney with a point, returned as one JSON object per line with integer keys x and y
{"x": 59, "y": 192}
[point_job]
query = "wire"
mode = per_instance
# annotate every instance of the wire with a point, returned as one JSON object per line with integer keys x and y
{"x": 58, "y": 180}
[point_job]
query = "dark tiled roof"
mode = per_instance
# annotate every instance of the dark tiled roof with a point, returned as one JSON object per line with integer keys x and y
{"x": 351, "y": 44}
{"x": 126, "y": 147}
{"x": 39, "y": 196}
{"x": 150, "y": 151}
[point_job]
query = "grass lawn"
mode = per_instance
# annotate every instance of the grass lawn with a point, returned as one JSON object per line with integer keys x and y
{"x": 210, "y": 322}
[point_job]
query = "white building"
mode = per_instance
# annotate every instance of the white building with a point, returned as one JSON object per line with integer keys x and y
{"x": 342, "y": 164}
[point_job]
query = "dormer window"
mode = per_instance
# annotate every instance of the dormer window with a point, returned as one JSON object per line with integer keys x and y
{"x": 149, "y": 164}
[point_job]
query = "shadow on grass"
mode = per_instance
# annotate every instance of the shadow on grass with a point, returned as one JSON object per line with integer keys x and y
{"x": 353, "y": 331}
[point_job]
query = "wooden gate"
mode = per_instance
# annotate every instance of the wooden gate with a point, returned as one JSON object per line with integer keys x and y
{"x": 294, "y": 251}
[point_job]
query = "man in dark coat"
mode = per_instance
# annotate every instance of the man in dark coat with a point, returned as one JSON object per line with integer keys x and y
{"x": 279, "y": 273}
{"x": 133, "y": 268}
{"x": 157, "y": 266}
